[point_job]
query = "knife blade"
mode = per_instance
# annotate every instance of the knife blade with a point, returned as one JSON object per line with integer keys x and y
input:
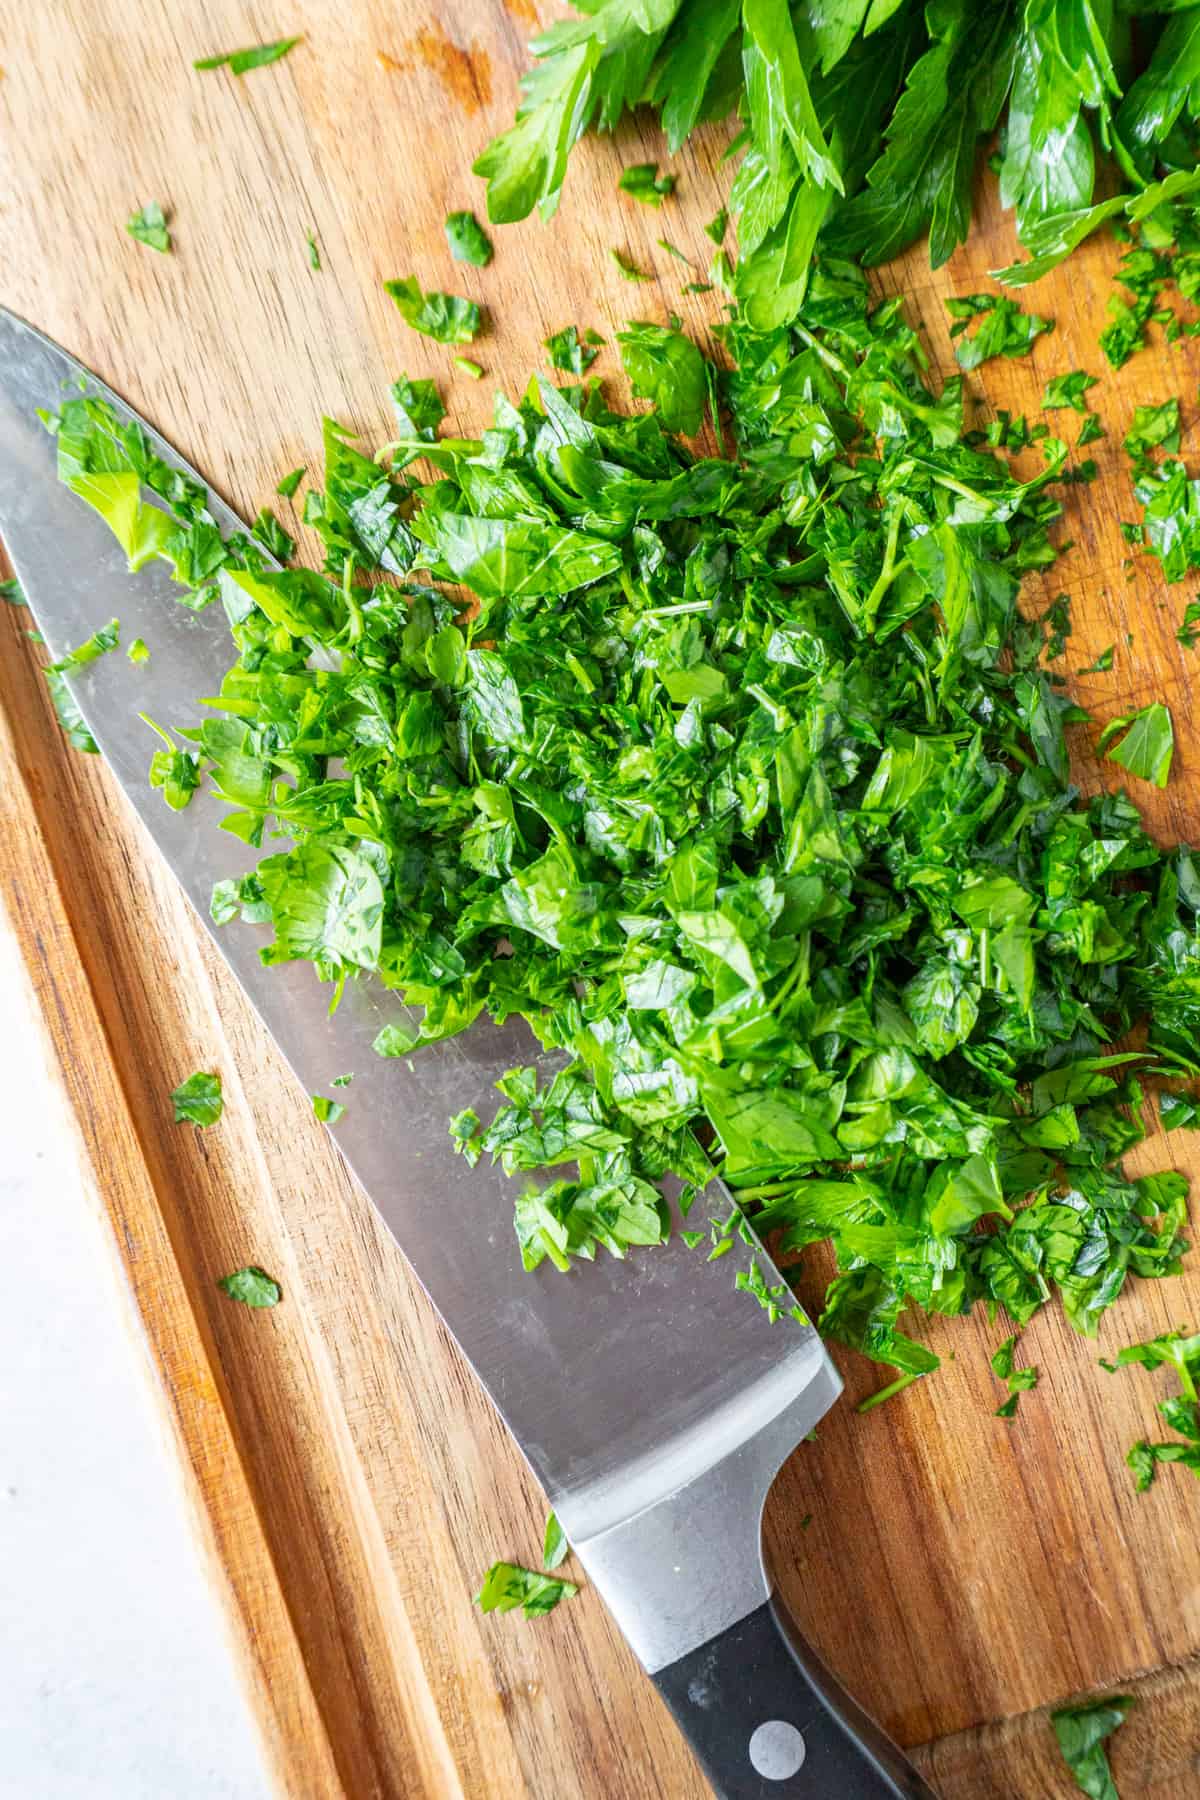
{"x": 653, "y": 1402}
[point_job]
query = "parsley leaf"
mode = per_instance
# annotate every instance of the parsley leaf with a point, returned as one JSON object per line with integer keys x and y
{"x": 627, "y": 270}
{"x": 198, "y": 1100}
{"x": 1004, "y": 330}
{"x": 644, "y": 183}
{"x": 1067, "y": 390}
{"x": 446, "y": 317}
{"x": 572, "y": 353}
{"x": 138, "y": 651}
{"x": 1147, "y": 746}
{"x": 555, "y": 1547}
{"x": 12, "y": 593}
{"x": 506, "y": 1585}
{"x": 467, "y": 239}
{"x": 314, "y": 253}
{"x": 666, "y": 368}
{"x": 1153, "y": 428}
{"x": 149, "y": 226}
{"x": 1081, "y": 1732}
{"x": 252, "y": 1286}
{"x": 287, "y": 487}
{"x": 258, "y": 56}
{"x": 328, "y": 1111}
{"x": 1179, "y": 1110}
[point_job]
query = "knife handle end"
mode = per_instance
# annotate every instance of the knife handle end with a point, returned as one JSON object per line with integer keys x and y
{"x": 768, "y": 1722}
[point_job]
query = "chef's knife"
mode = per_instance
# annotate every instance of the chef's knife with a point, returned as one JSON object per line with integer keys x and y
{"x": 652, "y": 1400}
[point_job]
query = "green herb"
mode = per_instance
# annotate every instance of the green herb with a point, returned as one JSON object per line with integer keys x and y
{"x": 418, "y": 407}
{"x": 473, "y": 370}
{"x": 672, "y": 250}
{"x": 1147, "y": 746}
{"x": 1004, "y": 329}
{"x": 328, "y": 1111}
{"x": 862, "y": 124}
{"x": 1179, "y": 1110}
{"x": 506, "y": 1585}
{"x": 314, "y": 253}
{"x": 65, "y": 704}
{"x": 446, "y": 317}
{"x": 253, "y": 1287}
{"x": 572, "y": 353}
{"x": 666, "y": 368}
{"x": 1019, "y": 1381}
{"x": 644, "y": 183}
{"x": 256, "y": 57}
{"x": 1188, "y": 632}
{"x": 1058, "y": 617}
{"x": 12, "y": 593}
{"x": 741, "y": 779}
{"x": 555, "y": 1547}
{"x": 627, "y": 269}
{"x": 198, "y": 1100}
{"x": 1090, "y": 430}
{"x": 467, "y": 239}
{"x": 1102, "y": 664}
{"x": 717, "y": 227}
{"x": 1081, "y": 1732}
{"x": 138, "y": 651}
{"x": 149, "y": 226}
{"x": 176, "y": 773}
{"x": 287, "y": 487}
{"x": 1180, "y": 1352}
{"x": 272, "y": 536}
{"x": 1153, "y": 428}
{"x": 341, "y": 1081}
{"x": 1067, "y": 390}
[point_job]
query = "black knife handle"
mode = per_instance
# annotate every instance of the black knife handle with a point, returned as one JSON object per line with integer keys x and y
{"x": 769, "y": 1722}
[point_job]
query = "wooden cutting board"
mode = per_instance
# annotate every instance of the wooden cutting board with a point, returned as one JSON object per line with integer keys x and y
{"x": 351, "y": 1480}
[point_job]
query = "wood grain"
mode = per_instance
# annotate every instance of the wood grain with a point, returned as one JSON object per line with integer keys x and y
{"x": 351, "y": 1480}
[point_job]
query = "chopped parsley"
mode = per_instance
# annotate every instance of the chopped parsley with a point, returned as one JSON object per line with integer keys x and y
{"x": 506, "y": 1586}
{"x": 12, "y": 593}
{"x": 1188, "y": 632}
{"x": 644, "y": 183}
{"x": 1179, "y": 1111}
{"x": 328, "y": 1111}
{"x": 1068, "y": 390}
{"x": 64, "y": 702}
{"x": 149, "y": 226}
{"x": 314, "y": 253}
{"x": 1004, "y": 329}
{"x": 446, "y": 317}
{"x": 252, "y": 1286}
{"x": 138, "y": 652}
{"x": 1081, "y": 1732}
{"x": 287, "y": 487}
{"x": 628, "y": 270}
{"x": 797, "y": 881}
{"x": 472, "y": 370}
{"x": 555, "y": 1547}
{"x": 1146, "y": 743}
{"x": 198, "y": 1100}
{"x": 572, "y": 353}
{"x": 258, "y": 56}
{"x": 468, "y": 241}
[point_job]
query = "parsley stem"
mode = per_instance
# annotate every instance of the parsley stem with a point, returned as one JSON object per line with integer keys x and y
{"x": 886, "y": 1393}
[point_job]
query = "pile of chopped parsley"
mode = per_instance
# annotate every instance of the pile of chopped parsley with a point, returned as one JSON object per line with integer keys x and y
{"x": 740, "y": 778}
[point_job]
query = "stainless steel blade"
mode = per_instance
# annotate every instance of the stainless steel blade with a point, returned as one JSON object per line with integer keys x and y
{"x": 623, "y": 1382}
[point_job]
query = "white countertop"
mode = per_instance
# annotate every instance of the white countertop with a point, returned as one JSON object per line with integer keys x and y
{"x": 117, "y": 1680}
